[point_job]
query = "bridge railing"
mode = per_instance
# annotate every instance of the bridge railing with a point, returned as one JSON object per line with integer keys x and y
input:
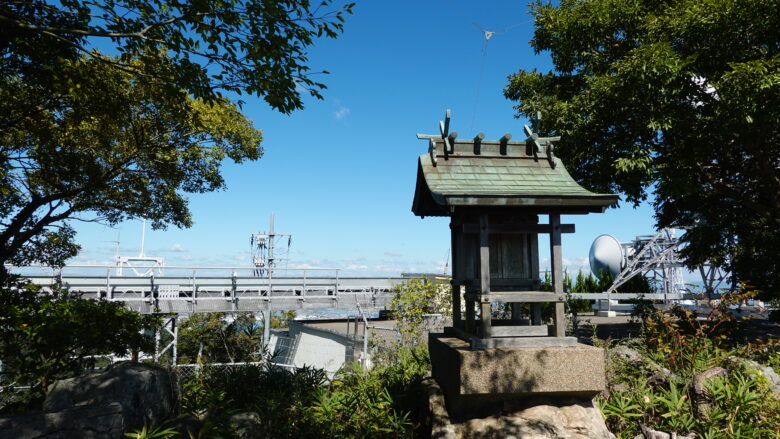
{"x": 205, "y": 283}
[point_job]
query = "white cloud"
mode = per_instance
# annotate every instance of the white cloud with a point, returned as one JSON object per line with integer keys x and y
{"x": 571, "y": 265}
{"x": 341, "y": 113}
{"x": 90, "y": 261}
{"x": 177, "y": 248}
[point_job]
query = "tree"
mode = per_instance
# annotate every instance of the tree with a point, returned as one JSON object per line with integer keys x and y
{"x": 108, "y": 147}
{"x": 220, "y": 338}
{"x": 226, "y": 338}
{"x": 203, "y": 47}
{"x": 675, "y": 99}
{"x": 92, "y": 136}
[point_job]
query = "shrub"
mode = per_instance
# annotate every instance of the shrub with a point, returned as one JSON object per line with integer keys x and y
{"x": 742, "y": 403}
{"x": 413, "y": 300}
{"x": 302, "y": 403}
{"x": 45, "y": 337}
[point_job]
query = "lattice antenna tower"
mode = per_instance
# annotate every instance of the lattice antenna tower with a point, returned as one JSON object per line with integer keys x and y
{"x": 657, "y": 258}
{"x": 265, "y": 255}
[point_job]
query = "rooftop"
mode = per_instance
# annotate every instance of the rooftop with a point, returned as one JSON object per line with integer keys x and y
{"x": 475, "y": 172}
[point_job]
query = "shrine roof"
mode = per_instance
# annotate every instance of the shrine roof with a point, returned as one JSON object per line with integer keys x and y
{"x": 498, "y": 173}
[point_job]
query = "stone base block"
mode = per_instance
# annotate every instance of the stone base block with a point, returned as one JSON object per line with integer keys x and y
{"x": 482, "y": 382}
{"x": 606, "y": 313}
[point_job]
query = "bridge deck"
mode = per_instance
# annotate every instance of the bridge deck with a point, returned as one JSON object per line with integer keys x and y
{"x": 226, "y": 292}
{"x": 191, "y": 294}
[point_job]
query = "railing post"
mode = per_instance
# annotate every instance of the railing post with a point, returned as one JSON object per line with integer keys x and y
{"x": 109, "y": 290}
{"x": 303, "y": 290}
{"x": 152, "y": 294}
{"x": 336, "y": 289}
{"x": 175, "y": 342}
{"x": 194, "y": 287}
{"x": 270, "y": 281}
{"x": 156, "y": 344}
{"x": 233, "y": 286}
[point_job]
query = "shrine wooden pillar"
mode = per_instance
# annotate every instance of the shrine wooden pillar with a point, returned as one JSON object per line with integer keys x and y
{"x": 456, "y": 277}
{"x": 485, "y": 312}
{"x": 556, "y": 272}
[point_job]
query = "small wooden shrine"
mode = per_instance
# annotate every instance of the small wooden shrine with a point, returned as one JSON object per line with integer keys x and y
{"x": 494, "y": 192}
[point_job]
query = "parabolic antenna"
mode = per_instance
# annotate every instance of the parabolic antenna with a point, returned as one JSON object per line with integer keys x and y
{"x": 606, "y": 254}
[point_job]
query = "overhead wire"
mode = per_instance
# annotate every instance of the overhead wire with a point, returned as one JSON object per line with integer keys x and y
{"x": 488, "y": 34}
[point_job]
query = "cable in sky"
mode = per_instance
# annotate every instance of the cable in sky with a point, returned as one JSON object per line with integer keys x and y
{"x": 488, "y": 34}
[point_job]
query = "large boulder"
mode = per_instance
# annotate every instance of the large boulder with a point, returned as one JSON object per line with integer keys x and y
{"x": 544, "y": 421}
{"x": 524, "y": 418}
{"x": 144, "y": 391}
{"x": 83, "y": 422}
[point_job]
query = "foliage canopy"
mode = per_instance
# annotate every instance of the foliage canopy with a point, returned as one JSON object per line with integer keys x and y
{"x": 105, "y": 146}
{"x": 93, "y": 136}
{"x": 679, "y": 99}
{"x": 218, "y": 337}
{"x": 202, "y": 47}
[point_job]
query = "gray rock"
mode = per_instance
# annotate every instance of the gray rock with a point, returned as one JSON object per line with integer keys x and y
{"x": 573, "y": 421}
{"x": 766, "y": 371}
{"x": 523, "y": 418}
{"x": 654, "y": 434}
{"x": 649, "y": 433}
{"x": 625, "y": 353}
{"x": 436, "y": 411}
{"x": 247, "y": 425}
{"x": 144, "y": 391}
{"x": 701, "y": 395}
{"x": 104, "y": 421}
{"x": 186, "y": 424}
{"x": 657, "y": 373}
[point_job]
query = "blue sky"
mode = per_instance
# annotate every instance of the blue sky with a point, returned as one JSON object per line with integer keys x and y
{"x": 340, "y": 174}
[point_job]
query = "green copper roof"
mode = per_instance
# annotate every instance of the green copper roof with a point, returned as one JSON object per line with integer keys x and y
{"x": 492, "y": 173}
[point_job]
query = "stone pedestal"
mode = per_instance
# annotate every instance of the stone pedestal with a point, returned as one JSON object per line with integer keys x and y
{"x": 482, "y": 382}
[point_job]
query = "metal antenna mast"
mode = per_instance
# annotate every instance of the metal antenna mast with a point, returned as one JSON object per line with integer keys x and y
{"x": 127, "y": 261}
{"x": 263, "y": 244}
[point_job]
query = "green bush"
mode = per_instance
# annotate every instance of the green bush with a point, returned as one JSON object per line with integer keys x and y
{"x": 303, "y": 403}
{"x": 742, "y": 407}
{"x": 412, "y": 301}
{"x": 50, "y": 336}
{"x": 742, "y": 403}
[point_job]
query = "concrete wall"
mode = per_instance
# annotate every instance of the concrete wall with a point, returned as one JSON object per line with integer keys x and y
{"x": 320, "y": 348}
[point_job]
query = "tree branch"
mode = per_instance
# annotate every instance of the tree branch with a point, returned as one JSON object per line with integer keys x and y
{"x": 51, "y": 31}
{"x": 736, "y": 195}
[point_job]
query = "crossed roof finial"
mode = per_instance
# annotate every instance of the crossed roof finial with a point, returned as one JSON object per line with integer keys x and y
{"x": 538, "y": 143}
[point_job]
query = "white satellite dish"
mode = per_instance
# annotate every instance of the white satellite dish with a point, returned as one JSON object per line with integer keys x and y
{"x": 606, "y": 254}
